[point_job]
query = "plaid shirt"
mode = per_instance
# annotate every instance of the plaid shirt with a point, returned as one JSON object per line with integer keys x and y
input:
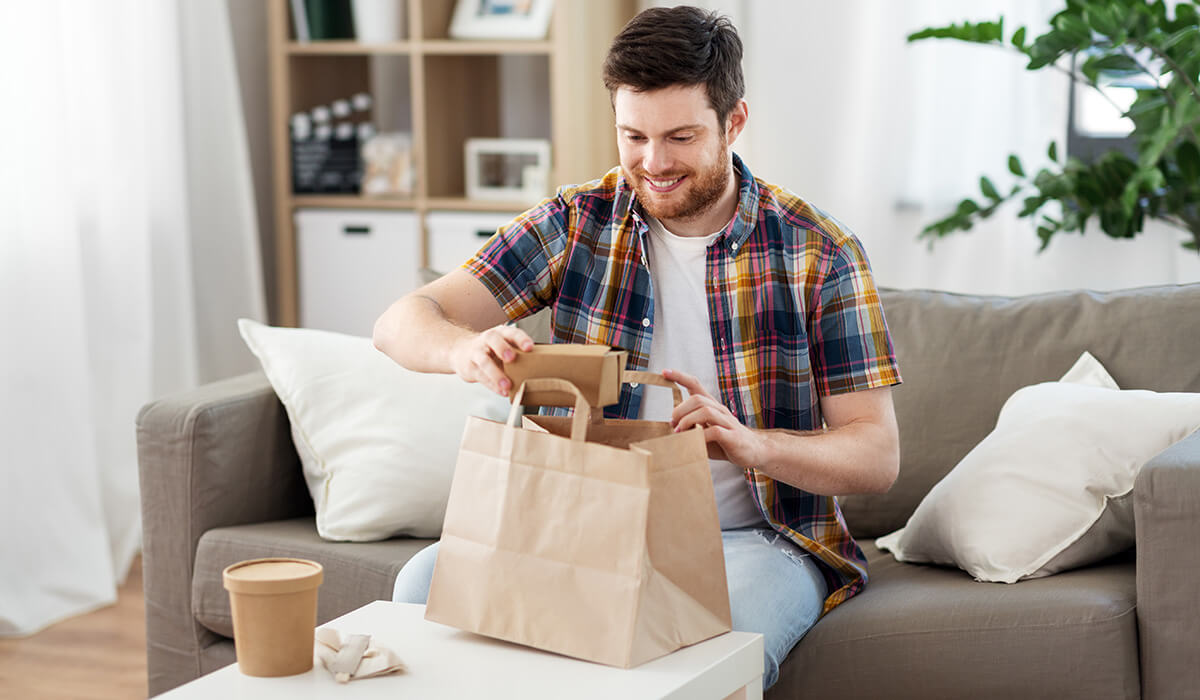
{"x": 794, "y": 313}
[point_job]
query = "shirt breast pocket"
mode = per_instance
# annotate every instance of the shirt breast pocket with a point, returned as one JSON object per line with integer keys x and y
{"x": 785, "y": 371}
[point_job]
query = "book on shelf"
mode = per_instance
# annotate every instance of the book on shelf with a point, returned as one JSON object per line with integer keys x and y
{"x": 329, "y": 19}
{"x": 300, "y": 21}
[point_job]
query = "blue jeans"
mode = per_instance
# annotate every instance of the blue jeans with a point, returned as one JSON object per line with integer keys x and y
{"x": 775, "y": 589}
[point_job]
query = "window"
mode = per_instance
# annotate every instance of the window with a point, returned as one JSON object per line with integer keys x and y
{"x": 1095, "y": 122}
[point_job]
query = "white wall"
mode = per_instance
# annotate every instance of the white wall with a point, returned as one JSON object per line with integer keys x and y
{"x": 887, "y": 136}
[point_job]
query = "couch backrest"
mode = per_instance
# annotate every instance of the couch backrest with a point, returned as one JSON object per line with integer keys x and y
{"x": 961, "y": 357}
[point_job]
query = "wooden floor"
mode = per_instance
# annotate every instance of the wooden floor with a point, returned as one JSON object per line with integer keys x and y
{"x": 98, "y": 656}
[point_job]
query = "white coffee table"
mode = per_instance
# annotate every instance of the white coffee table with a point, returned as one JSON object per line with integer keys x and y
{"x": 444, "y": 662}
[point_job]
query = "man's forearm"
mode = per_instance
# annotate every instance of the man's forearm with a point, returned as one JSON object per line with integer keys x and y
{"x": 860, "y": 457}
{"x": 415, "y": 333}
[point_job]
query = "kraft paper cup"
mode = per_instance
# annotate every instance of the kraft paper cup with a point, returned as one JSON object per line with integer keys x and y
{"x": 274, "y": 603}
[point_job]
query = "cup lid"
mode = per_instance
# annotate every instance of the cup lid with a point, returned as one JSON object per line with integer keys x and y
{"x": 273, "y": 575}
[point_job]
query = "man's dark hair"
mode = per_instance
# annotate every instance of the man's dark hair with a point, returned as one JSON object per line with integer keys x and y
{"x": 663, "y": 46}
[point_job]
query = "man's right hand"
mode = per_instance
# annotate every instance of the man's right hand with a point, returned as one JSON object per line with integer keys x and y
{"x": 452, "y": 325}
{"x": 480, "y": 357}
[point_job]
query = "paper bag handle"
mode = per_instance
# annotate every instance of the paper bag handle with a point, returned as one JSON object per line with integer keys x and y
{"x": 631, "y": 376}
{"x": 583, "y": 412}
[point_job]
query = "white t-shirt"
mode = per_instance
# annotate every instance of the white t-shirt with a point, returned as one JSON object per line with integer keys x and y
{"x": 682, "y": 340}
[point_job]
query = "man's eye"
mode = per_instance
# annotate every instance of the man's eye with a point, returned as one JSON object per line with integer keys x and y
{"x": 681, "y": 139}
{"x": 635, "y": 138}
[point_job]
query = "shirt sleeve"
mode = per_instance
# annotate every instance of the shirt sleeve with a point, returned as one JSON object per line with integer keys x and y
{"x": 850, "y": 343}
{"x": 521, "y": 264}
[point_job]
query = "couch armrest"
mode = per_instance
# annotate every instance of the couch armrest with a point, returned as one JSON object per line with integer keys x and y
{"x": 218, "y": 455}
{"x": 1166, "y": 506}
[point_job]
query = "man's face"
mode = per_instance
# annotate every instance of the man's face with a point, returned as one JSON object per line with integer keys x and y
{"x": 673, "y": 151}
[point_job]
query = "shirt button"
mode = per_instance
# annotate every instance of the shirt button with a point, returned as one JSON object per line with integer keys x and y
{"x": 645, "y": 323}
{"x": 733, "y": 246}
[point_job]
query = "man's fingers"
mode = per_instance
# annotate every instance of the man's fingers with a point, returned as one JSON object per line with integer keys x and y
{"x": 487, "y": 373}
{"x": 505, "y": 341}
{"x": 519, "y": 338}
{"x": 704, "y": 416}
{"x": 500, "y": 346}
{"x": 714, "y": 438}
{"x": 687, "y": 381}
{"x": 481, "y": 358}
{"x": 694, "y": 403}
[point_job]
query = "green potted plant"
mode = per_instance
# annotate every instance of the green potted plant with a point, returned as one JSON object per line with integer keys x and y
{"x": 1098, "y": 39}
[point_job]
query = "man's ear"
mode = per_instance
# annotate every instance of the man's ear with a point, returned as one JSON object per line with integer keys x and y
{"x": 736, "y": 121}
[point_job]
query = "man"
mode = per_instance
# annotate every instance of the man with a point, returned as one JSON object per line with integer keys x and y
{"x": 757, "y": 303}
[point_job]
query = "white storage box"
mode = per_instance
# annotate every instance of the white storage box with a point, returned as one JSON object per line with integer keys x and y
{"x": 353, "y": 264}
{"x": 455, "y": 236}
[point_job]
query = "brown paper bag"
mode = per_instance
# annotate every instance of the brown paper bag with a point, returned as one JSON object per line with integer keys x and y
{"x": 597, "y": 540}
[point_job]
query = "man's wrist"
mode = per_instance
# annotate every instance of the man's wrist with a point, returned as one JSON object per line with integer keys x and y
{"x": 765, "y": 450}
{"x": 458, "y": 338}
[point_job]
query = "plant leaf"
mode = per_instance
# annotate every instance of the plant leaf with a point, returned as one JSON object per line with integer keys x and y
{"x": 988, "y": 189}
{"x": 1088, "y": 189}
{"x": 1104, "y": 21}
{"x": 1044, "y": 234}
{"x": 1014, "y": 166}
{"x": 1185, "y": 34}
{"x": 1141, "y": 106}
{"x": 1074, "y": 30}
{"x": 1187, "y": 156}
{"x": 1053, "y": 151}
{"x": 1150, "y": 151}
{"x": 1018, "y": 38}
{"x": 1185, "y": 14}
{"x": 1112, "y": 171}
{"x": 976, "y": 32}
{"x": 1151, "y": 178}
{"x": 1109, "y": 64}
{"x": 1032, "y": 204}
{"x": 1185, "y": 110}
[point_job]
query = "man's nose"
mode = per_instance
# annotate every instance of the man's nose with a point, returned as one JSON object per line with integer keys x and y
{"x": 656, "y": 159}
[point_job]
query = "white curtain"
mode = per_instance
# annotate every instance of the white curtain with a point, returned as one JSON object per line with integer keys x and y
{"x": 887, "y": 136}
{"x": 128, "y": 247}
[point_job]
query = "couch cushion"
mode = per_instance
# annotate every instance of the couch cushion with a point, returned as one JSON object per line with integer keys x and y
{"x": 931, "y": 632}
{"x": 377, "y": 460}
{"x": 962, "y": 356}
{"x": 356, "y": 573}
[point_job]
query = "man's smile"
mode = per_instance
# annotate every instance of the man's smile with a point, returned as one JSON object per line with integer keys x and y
{"x": 663, "y": 185}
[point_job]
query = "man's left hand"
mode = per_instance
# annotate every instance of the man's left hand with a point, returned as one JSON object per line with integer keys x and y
{"x": 725, "y": 435}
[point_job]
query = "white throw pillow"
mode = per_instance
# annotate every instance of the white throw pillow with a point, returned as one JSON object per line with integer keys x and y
{"x": 377, "y": 442}
{"x": 1050, "y": 488}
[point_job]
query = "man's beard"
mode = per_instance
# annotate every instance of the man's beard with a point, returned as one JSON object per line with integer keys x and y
{"x": 704, "y": 189}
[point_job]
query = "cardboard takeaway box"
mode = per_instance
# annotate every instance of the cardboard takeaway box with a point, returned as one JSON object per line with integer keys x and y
{"x": 595, "y": 369}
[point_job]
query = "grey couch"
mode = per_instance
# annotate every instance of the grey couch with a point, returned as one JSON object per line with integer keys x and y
{"x": 221, "y": 482}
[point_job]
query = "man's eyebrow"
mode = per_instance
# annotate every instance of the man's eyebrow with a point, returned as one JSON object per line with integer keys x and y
{"x": 685, "y": 127}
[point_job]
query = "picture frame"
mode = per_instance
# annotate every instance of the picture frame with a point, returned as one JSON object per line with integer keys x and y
{"x": 501, "y": 19}
{"x": 507, "y": 170}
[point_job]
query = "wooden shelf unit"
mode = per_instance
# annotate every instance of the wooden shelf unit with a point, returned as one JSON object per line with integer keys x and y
{"x": 454, "y": 95}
